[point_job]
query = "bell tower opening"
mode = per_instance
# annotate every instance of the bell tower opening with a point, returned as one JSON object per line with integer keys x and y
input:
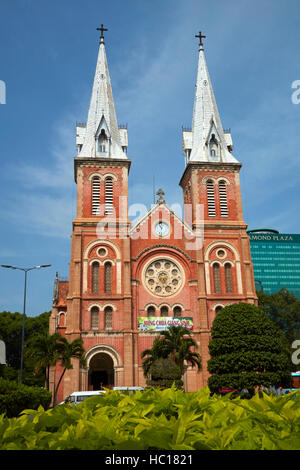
{"x": 101, "y": 372}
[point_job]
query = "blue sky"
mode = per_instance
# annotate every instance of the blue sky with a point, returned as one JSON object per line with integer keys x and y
{"x": 47, "y": 61}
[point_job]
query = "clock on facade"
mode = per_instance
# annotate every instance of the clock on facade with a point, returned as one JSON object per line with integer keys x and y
{"x": 163, "y": 277}
{"x": 162, "y": 229}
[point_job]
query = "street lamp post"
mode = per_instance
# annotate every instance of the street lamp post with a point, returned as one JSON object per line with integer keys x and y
{"x": 25, "y": 270}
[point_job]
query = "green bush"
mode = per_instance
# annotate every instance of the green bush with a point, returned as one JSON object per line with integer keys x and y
{"x": 14, "y": 398}
{"x": 164, "y": 372}
{"x": 247, "y": 350}
{"x": 159, "y": 420}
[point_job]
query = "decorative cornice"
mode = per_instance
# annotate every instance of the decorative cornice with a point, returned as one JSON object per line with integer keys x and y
{"x": 211, "y": 166}
{"x": 100, "y": 163}
{"x": 153, "y": 247}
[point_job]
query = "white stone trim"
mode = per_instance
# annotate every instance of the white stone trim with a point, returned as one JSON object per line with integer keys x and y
{"x": 101, "y": 241}
{"x": 109, "y": 305}
{"x": 110, "y": 175}
{"x": 103, "y": 348}
{"x": 220, "y": 243}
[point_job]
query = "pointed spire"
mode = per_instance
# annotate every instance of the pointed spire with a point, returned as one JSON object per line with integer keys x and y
{"x": 102, "y": 136}
{"x": 208, "y": 139}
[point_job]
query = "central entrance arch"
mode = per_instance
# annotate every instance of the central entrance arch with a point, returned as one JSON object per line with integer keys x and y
{"x": 101, "y": 372}
{"x": 104, "y": 366}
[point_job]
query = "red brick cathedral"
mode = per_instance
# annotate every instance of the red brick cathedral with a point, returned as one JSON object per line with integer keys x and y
{"x": 128, "y": 282}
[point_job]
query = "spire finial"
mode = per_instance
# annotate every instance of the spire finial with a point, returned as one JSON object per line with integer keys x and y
{"x": 200, "y": 36}
{"x": 161, "y": 194}
{"x": 102, "y": 29}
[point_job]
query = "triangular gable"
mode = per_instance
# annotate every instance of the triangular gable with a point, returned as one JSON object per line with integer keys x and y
{"x": 102, "y": 125}
{"x": 158, "y": 207}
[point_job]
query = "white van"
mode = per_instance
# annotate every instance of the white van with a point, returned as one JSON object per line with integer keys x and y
{"x": 78, "y": 397}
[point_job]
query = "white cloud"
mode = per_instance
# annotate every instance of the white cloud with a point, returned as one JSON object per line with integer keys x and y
{"x": 44, "y": 202}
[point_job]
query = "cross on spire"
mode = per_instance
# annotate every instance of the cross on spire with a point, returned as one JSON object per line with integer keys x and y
{"x": 200, "y": 36}
{"x": 161, "y": 194}
{"x": 102, "y": 29}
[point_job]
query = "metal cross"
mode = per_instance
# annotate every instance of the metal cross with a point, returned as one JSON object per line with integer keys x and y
{"x": 102, "y": 29}
{"x": 160, "y": 193}
{"x": 200, "y": 36}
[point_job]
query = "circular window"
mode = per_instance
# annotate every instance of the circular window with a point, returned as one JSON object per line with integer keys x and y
{"x": 102, "y": 252}
{"x": 221, "y": 253}
{"x": 163, "y": 277}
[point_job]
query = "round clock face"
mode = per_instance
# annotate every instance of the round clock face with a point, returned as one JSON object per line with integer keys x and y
{"x": 163, "y": 277}
{"x": 162, "y": 229}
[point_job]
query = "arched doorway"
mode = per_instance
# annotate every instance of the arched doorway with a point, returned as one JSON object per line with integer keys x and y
{"x": 101, "y": 372}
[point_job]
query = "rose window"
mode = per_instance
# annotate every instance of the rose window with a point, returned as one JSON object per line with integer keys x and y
{"x": 163, "y": 277}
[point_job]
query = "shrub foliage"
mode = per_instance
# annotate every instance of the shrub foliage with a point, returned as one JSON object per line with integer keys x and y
{"x": 16, "y": 397}
{"x": 247, "y": 350}
{"x": 156, "y": 419}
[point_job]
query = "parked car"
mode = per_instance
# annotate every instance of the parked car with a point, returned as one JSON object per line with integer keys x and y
{"x": 78, "y": 397}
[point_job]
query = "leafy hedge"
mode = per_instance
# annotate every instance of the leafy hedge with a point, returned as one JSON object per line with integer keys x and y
{"x": 159, "y": 420}
{"x": 14, "y": 398}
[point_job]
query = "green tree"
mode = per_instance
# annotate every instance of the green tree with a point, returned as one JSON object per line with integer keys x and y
{"x": 284, "y": 309}
{"x": 175, "y": 344}
{"x": 152, "y": 355}
{"x": 247, "y": 350}
{"x": 164, "y": 372}
{"x": 10, "y": 333}
{"x": 44, "y": 351}
{"x": 68, "y": 351}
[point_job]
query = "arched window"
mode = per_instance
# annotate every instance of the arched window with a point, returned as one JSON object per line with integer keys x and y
{"x": 177, "y": 311}
{"x": 107, "y": 277}
{"x": 217, "y": 278}
{"x": 228, "y": 277}
{"x": 94, "y": 318}
{"x": 96, "y": 195}
{"x": 109, "y": 196}
{"x": 102, "y": 142}
{"x": 151, "y": 311}
{"x": 164, "y": 311}
{"x": 223, "y": 199}
{"x": 108, "y": 311}
{"x": 218, "y": 309}
{"x": 60, "y": 319}
{"x": 95, "y": 277}
{"x": 210, "y": 191}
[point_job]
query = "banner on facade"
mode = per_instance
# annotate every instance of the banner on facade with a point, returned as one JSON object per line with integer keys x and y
{"x": 163, "y": 323}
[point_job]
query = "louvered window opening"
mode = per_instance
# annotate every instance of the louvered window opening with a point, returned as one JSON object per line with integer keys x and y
{"x": 108, "y": 318}
{"x": 217, "y": 278}
{"x": 94, "y": 318}
{"x": 228, "y": 277}
{"x": 211, "y": 198}
{"x": 95, "y": 278}
{"x": 223, "y": 199}
{"x": 109, "y": 208}
{"x": 107, "y": 277}
{"x": 96, "y": 195}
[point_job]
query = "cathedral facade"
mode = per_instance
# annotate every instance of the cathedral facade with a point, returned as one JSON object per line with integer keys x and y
{"x": 128, "y": 282}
